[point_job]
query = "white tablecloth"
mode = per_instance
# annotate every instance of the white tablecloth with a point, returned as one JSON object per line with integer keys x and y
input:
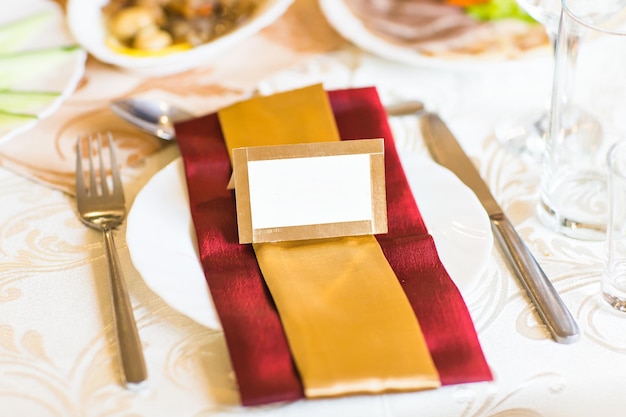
{"x": 57, "y": 347}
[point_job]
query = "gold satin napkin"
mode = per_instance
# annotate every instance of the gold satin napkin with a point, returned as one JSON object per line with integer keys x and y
{"x": 349, "y": 324}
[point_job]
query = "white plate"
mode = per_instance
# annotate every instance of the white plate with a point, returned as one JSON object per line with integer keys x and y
{"x": 86, "y": 23}
{"x": 161, "y": 238}
{"x": 343, "y": 20}
{"x": 62, "y": 79}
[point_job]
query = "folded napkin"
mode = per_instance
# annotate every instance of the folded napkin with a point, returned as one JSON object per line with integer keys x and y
{"x": 349, "y": 325}
{"x": 258, "y": 347}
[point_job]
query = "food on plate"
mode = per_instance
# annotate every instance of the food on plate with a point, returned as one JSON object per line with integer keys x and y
{"x": 18, "y": 66}
{"x": 18, "y": 63}
{"x": 26, "y": 66}
{"x": 9, "y": 121}
{"x": 16, "y": 33}
{"x": 26, "y": 102}
{"x": 451, "y": 27}
{"x": 496, "y": 9}
{"x": 148, "y": 27}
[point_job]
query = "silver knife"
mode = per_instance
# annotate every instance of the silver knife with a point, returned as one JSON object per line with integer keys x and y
{"x": 446, "y": 151}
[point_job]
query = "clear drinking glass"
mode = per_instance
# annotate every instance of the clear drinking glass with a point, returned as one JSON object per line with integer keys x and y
{"x": 546, "y": 12}
{"x": 525, "y": 136}
{"x": 588, "y": 114}
{"x": 613, "y": 283}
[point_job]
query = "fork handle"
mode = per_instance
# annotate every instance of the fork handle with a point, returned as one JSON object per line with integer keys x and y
{"x": 129, "y": 345}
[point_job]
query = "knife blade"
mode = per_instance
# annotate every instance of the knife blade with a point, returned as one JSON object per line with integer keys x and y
{"x": 446, "y": 151}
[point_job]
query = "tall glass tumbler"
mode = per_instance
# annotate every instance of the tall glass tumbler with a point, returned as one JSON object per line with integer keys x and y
{"x": 613, "y": 283}
{"x": 588, "y": 113}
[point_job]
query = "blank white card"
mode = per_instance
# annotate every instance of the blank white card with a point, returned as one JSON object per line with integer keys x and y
{"x": 306, "y": 191}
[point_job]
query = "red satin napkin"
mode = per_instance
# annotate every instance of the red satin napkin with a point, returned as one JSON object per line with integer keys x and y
{"x": 256, "y": 342}
{"x": 411, "y": 251}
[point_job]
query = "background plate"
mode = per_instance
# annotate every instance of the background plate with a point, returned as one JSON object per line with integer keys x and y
{"x": 348, "y": 25}
{"x": 86, "y": 23}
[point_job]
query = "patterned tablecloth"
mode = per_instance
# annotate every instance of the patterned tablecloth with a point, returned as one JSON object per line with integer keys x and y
{"x": 57, "y": 350}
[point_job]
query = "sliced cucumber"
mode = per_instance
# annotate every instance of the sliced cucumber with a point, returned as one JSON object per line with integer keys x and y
{"x": 22, "y": 65}
{"x": 31, "y": 102}
{"x": 12, "y": 121}
{"x": 13, "y": 35}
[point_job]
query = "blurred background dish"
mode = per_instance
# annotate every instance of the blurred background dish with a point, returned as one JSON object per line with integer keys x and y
{"x": 40, "y": 64}
{"x": 439, "y": 32}
{"x": 94, "y": 30}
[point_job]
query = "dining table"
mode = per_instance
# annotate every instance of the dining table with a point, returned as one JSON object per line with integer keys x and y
{"x": 58, "y": 352}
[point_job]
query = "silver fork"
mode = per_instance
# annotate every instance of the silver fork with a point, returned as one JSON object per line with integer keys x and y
{"x": 101, "y": 206}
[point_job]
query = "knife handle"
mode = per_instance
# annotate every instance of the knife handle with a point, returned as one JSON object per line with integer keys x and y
{"x": 544, "y": 296}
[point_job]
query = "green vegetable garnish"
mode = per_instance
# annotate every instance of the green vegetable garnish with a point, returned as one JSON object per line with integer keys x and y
{"x": 498, "y": 9}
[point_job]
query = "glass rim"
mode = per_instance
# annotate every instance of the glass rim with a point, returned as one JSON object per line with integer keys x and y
{"x": 581, "y": 20}
{"x": 611, "y": 157}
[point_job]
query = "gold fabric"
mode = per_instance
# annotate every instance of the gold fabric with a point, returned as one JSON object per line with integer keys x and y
{"x": 298, "y": 116}
{"x": 349, "y": 324}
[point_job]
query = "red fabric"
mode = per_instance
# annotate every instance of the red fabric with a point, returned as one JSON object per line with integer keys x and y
{"x": 438, "y": 305}
{"x": 256, "y": 342}
{"x": 257, "y": 345}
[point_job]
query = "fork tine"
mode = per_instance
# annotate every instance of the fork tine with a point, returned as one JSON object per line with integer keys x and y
{"x": 103, "y": 175}
{"x": 99, "y": 183}
{"x": 93, "y": 190}
{"x": 115, "y": 171}
{"x": 80, "y": 178}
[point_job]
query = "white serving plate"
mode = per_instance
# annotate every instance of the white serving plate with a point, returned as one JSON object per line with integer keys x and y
{"x": 350, "y": 26}
{"x": 161, "y": 237}
{"x": 86, "y": 23}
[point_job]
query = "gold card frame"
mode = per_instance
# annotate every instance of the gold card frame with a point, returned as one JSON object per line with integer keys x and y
{"x": 376, "y": 224}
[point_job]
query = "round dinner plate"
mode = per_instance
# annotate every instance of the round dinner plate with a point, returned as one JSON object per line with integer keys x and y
{"x": 62, "y": 78}
{"x": 87, "y": 25}
{"x": 161, "y": 237}
{"x": 352, "y": 28}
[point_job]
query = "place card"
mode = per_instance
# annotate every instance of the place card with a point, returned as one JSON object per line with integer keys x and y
{"x": 310, "y": 190}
